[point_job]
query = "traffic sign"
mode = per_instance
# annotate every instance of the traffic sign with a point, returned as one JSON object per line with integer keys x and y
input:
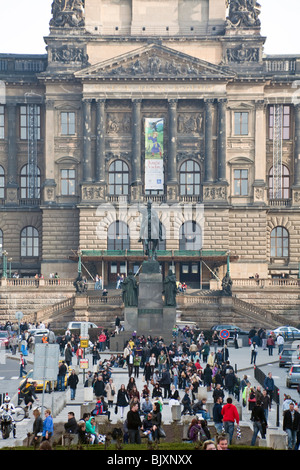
{"x": 224, "y": 334}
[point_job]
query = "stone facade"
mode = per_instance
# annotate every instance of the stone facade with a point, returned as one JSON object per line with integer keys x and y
{"x": 77, "y": 110}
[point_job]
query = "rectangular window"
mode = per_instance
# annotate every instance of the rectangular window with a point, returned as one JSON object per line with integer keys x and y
{"x": 286, "y": 122}
{"x": 1, "y": 122}
{"x": 67, "y": 123}
{"x": 240, "y": 182}
{"x": 67, "y": 182}
{"x": 241, "y": 124}
{"x": 30, "y": 119}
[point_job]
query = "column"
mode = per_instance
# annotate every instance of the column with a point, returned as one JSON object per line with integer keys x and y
{"x": 297, "y": 145}
{"x": 208, "y": 177}
{"x": 12, "y": 161}
{"x": 172, "y": 148}
{"x": 87, "y": 141}
{"x": 222, "y": 140}
{"x": 100, "y": 142}
{"x": 136, "y": 142}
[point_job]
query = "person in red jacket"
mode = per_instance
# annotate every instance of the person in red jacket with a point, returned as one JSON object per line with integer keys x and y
{"x": 230, "y": 416}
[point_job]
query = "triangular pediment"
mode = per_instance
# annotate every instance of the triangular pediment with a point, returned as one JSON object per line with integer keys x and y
{"x": 154, "y": 62}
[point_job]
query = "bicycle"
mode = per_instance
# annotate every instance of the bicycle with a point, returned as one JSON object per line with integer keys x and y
{"x": 19, "y": 414}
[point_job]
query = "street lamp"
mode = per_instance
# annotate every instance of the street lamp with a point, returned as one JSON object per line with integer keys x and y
{"x": 4, "y": 264}
{"x": 9, "y": 267}
{"x": 79, "y": 253}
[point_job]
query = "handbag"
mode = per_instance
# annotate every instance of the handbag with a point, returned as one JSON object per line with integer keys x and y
{"x": 161, "y": 432}
{"x": 116, "y": 409}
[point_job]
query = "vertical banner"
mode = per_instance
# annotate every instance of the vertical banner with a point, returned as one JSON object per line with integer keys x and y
{"x": 154, "y": 153}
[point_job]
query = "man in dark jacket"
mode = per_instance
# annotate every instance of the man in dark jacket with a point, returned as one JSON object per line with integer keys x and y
{"x": 61, "y": 377}
{"x": 259, "y": 421}
{"x": 217, "y": 415}
{"x": 134, "y": 424}
{"x": 71, "y": 425}
{"x": 165, "y": 383}
{"x": 291, "y": 425}
{"x": 99, "y": 387}
{"x": 72, "y": 382}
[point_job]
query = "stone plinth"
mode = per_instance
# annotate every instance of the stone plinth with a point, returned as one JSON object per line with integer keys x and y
{"x": 81, "y": 308}
{"x": 150, "y": 316}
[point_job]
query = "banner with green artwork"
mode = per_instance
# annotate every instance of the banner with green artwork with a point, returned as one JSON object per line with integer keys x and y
{"x": 154, "y": 153}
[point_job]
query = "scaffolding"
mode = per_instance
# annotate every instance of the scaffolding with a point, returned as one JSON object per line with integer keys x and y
{"x": 33, "y": 126}
{"x": 277, "y": 151}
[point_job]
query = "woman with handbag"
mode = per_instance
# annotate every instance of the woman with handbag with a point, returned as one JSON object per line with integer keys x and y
{"x": 110, "y": 389}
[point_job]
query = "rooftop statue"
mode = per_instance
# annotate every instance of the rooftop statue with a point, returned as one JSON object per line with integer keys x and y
{"x": 243, "y": 13}
{"x": 67, "y": 13}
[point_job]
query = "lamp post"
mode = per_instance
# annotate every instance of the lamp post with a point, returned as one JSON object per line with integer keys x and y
{"x": 4, "y": 264}
{"x": 9, "y": 267}
{"x": 79, "y": 253}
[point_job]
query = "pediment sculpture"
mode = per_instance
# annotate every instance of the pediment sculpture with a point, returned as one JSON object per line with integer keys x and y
{"x": 154, "y": 62}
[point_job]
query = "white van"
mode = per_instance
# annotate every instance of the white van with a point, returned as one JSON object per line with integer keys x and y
{"x": 76, "y": 325}
{"x": 182, "y": 324}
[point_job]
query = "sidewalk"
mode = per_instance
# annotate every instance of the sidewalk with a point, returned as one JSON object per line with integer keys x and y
{"x": 239, "y": 359}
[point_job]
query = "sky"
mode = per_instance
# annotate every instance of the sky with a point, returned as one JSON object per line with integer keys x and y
{"x": 24, "y": 23}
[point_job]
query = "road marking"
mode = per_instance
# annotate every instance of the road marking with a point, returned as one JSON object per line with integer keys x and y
{"x": 15, "y": 377}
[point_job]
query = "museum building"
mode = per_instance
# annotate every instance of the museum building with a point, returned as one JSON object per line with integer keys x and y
{"x": 172, "y": 101}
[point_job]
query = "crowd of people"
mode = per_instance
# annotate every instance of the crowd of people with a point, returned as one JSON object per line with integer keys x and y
{"x": 173, "y": 374}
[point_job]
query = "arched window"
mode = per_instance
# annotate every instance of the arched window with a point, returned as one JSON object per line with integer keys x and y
{"x": 284, "y": 192}
{"x": 30, "y": 182}
{"x": 118, "y": 236}
{"x": 29, "y": 242}
{"x": 2, "y": 183}
{"x": 118, "y": 178}
{"x": 279, "y": 243}
{"x": 189, "y": 178}
{"x": 190, "y": 236}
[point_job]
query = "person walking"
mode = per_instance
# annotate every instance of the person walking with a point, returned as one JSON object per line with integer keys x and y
{"x": 122, "y": 399}
{"x": 230, "y": 416}
{"x": 72, "y": 382}
{"x": 217, "y": 415}
{"x": 269, "y": 386}
{"x": 259, "y": 422}
{"x": 254, "y": 351}
{"x": 291, "y": 423}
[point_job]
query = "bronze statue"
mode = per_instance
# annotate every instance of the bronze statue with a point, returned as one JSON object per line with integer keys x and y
{"x": 130, "y": 291}
{"x": 151, "y": 231}
{"x": 227, "y": 285}
{"x": 170, "y": 289}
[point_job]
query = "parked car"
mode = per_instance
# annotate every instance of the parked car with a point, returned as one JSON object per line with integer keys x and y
{"x": 288, "y": 332}
{"x": 231, "y": 329}
{"x": 75, "y": 325}
{"x": 289, "y": 356}
{"x": 4, "y": 339}
{"x": 38, "y": 331}
{"x": 293, "y": 377}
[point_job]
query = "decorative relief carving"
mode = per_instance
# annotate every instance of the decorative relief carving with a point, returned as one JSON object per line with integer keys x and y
{"x": 241, "y": 54}
{"x": 190, "y": 123}
{"x": 92, "y": 193}
{"x": 117, "y": 123}
{"x": 67, "y": 54}
{"x": 215, "y": 192}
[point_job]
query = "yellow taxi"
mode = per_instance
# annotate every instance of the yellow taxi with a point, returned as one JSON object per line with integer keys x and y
{"x": 48, "y": 384}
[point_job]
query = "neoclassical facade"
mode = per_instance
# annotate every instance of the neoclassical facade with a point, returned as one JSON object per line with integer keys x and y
{"x": 172, "y": 101}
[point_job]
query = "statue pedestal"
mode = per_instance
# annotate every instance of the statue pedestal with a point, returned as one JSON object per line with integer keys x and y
{"x": 150, "y": 317}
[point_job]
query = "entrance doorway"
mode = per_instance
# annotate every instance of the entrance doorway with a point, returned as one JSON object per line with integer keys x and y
{"x": 190, "y": 274}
